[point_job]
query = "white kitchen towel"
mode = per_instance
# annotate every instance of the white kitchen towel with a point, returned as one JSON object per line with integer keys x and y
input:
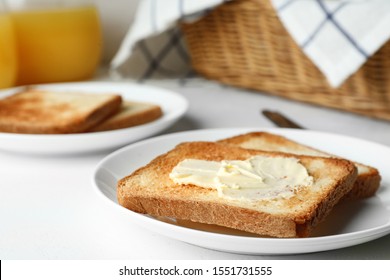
{"x": 153, "y": 47}
{"x": 337, "y": 35}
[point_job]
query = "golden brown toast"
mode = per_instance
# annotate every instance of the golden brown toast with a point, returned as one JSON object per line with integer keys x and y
{"x": 366, "y": 184}
{"x": 131, "y": 114}
{"x": 150, "y": 190}
{"x": 44, "y": 112}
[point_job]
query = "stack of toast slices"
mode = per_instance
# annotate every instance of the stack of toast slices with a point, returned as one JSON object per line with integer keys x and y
{"x": 151, "y": 190}
{"x": 35, "y": 111}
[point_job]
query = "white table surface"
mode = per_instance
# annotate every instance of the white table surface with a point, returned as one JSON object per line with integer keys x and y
{"x": 49, "y": 208}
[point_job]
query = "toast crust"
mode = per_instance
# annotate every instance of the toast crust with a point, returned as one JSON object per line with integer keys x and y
{"x": 366, "y": 184}
{"x": 45, "y": 112}
{"x": 149, "y": 190}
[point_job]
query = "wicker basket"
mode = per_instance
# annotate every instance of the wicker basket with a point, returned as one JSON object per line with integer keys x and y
{"x": 243, "y": 43}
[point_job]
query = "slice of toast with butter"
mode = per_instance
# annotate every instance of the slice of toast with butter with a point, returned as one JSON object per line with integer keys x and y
{"x": 131, "y": 114}
{"x": 37, "y": 111}
{"x": 366, "y": 184}
{"x": 266, "y": 193}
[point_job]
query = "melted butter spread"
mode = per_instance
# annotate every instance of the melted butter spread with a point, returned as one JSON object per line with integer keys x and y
{"x": 255, "y": 178}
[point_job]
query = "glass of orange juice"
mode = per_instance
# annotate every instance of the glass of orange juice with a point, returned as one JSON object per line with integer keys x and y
{"x": 57, "y": 41}
{"x": 8, "y": 57}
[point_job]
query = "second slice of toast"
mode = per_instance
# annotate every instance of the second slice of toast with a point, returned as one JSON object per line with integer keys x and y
{"x": 366, "y": 184}
{"x": 150, "y": 190}
{"x": 131, "y": 114}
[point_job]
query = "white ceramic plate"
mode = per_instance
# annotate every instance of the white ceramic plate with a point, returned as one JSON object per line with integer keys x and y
{"x": 173, "y": 105}
{"x": 349, "y": 223}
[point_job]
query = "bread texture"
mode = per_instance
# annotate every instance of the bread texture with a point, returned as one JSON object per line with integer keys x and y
{"x": 366, "y": 184}
{"x": 131, "y": 114}
{"x": 37, "y": 111}
{"x": 150, "y": 190}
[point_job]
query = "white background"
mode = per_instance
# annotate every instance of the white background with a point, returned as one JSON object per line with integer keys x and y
{"x": 116, "y": 16}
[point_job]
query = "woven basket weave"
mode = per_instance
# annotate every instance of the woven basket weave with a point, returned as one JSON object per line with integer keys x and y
{"x": 243, "y": 43}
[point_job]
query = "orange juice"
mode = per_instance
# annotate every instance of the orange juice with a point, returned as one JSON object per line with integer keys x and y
{"x": 8, "y": 59}
{"x": 57, "y": 44}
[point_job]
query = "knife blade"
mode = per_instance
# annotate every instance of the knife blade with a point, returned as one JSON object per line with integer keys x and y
{"x": 280, "y": 120}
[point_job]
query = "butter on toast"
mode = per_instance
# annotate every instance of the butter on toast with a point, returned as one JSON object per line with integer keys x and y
{"x": 150, "y": 190}
{"x": 131, "y": 114}
{"x": 37, "y": 111}
{"x": 366, "y": 184}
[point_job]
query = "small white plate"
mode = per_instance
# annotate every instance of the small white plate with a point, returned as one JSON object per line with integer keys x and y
{"x": 173, "y": 106}
{"x": 350, "y": 223}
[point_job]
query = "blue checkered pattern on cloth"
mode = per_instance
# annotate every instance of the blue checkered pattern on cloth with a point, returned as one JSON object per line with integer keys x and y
{"x": 153, "y": 46}
{"x": 337, "y": 35}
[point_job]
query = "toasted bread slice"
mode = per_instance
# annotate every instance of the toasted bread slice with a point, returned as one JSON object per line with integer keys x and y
{"x": 45, "y": 112}
{"x": 366, "y": 184}
{"x": 150, "y": 190}
{"x": 131, "y": 114}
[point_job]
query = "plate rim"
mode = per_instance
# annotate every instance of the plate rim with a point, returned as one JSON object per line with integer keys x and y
{"x": 350, "y": 238}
